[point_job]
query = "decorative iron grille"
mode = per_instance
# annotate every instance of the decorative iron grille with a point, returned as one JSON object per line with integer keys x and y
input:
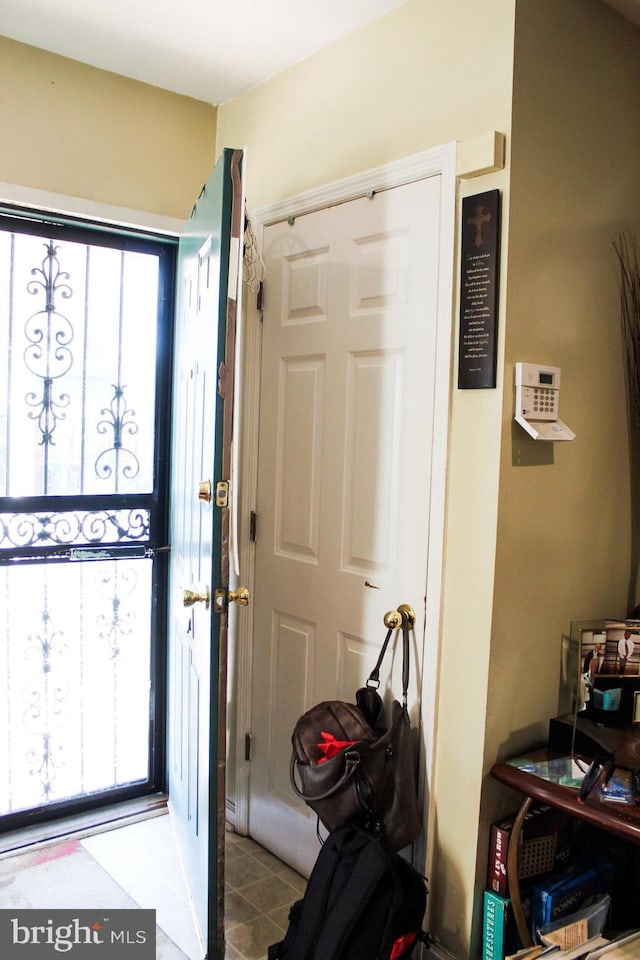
{"x": 79, "y": 411}
{"x": 73, "y": 527}
{"x": 82, "y": 420}
{"x": 75, "y": 658}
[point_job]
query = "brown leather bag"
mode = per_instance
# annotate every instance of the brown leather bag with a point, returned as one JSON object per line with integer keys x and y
{"x": 349, "y": 767}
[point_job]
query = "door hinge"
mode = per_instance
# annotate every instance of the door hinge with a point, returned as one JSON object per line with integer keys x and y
{"x": 222, "y": 493}
{"x": 253, "y": 521}
{"x": 248, "y": 746}
{"x": 260, "y": 297}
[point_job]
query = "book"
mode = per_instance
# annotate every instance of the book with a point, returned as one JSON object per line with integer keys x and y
{"x": 619, "y": 789}
{"x": 590, "y": 950}
{"x": 567, "y": 890}
{"x": 576, "y": 928}
{"x": 625, "y": 947}
{"x": 499, "y": 932}
{"x": 494, "y": 923}
{"x": 544, "y": 846}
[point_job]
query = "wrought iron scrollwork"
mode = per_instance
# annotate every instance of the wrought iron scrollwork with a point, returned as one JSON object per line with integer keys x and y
{"x": 49, "y": 357}
{"x": 48, "y": 354}
{"x": 76, "y": 564}
{"x": 60, "y": 529}
{"x": 116, "y": 584}
{"x": 45, "y": 696}
{"x": 117, "y": 459}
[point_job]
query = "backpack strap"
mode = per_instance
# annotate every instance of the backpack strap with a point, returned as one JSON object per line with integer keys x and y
{"x": 369, "y": 869}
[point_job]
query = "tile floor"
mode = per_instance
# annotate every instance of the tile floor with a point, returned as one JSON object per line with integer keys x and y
{"x": 259, "y": 892}
{"x": 138, "y": 863}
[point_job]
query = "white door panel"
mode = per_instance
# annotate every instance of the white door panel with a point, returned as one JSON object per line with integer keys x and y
{"x": 344, "y": 470}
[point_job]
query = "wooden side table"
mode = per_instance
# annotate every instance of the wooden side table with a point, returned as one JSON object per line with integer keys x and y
{"x": 620, "y": 819}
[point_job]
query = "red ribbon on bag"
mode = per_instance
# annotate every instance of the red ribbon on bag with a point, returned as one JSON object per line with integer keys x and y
{"x": 331, "y": 746}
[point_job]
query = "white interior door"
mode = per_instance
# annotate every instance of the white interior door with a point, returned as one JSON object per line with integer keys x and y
{"x": 345, "y": 471}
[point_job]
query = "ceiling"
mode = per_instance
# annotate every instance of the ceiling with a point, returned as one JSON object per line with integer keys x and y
{"x": 208, "y": 49}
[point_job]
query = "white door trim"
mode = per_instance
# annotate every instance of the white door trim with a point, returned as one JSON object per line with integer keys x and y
{"x": 440, "y": 161}
{"x": 89, "y": 209}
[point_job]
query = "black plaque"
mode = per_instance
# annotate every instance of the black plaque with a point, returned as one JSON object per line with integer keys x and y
{"x": 479, "y": 291}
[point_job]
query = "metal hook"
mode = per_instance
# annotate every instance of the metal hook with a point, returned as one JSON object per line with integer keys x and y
{"x": 407, "y": 613}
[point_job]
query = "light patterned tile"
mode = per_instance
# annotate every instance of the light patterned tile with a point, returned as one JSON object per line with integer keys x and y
{"x": 281, "y": 916}
{"x": 237, "y": 909}
{"x": 252, "y": 939}
{"x": 232, "y": 851}
{"x": 270, "y": 893}
{"x": 244, "y": 870}
{"x": 246, "y": 844}
{"x": 294, "y": 879}
{"x": 230, "y": 952}
{"x": 269, "y": 860}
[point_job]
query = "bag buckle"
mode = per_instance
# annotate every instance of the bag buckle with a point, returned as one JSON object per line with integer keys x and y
{"x": 351, "y": 758}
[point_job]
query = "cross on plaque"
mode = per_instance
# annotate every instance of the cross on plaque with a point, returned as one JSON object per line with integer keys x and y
{"x": 482, "y": 216}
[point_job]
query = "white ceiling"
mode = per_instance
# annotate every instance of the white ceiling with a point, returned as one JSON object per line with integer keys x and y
{"x": 208, "y": 49}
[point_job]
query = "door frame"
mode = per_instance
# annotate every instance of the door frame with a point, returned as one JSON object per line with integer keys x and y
{"x": 439, "y": 161}
{"x": 48, "y": 220}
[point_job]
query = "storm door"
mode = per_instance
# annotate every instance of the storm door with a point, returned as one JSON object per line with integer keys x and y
{"x": 85, "y": 329}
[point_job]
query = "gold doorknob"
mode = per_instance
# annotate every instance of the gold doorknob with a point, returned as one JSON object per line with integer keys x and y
{"x": 241, "y": 596}
{"x": 395, "y": 618}
{"x": 392, "y": 619}
{"x": 205, "y": 491}
{"x": 189, "y": 597}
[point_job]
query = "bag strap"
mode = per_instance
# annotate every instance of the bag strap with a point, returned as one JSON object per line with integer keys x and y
{"x": 351, "y": 762}
{"x": 370, "y": 867}
{"x": 374, "y": 676}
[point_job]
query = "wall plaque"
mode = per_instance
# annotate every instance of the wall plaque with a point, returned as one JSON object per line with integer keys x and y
{"x": 479, "y": 290}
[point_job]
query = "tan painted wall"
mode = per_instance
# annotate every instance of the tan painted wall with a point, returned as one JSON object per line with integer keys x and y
{"x": 71, "y": 129}
{"x": 426, "y": 74}
{"x": 563, "y": 528}
{"x": 419, "y": 77}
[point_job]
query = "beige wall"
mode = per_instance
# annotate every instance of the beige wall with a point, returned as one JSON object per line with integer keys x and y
{"x": 418, "y": 77}
{"x": 426, "y": 74}
{"x": 563, "y": 528}
{"x": 71, "y": 129}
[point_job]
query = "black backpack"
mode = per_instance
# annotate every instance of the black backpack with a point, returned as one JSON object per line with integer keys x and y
{"x": 362, "y": 902}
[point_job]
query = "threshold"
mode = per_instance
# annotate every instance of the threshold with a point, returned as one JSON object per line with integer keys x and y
{"x": 83, "y": 824}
